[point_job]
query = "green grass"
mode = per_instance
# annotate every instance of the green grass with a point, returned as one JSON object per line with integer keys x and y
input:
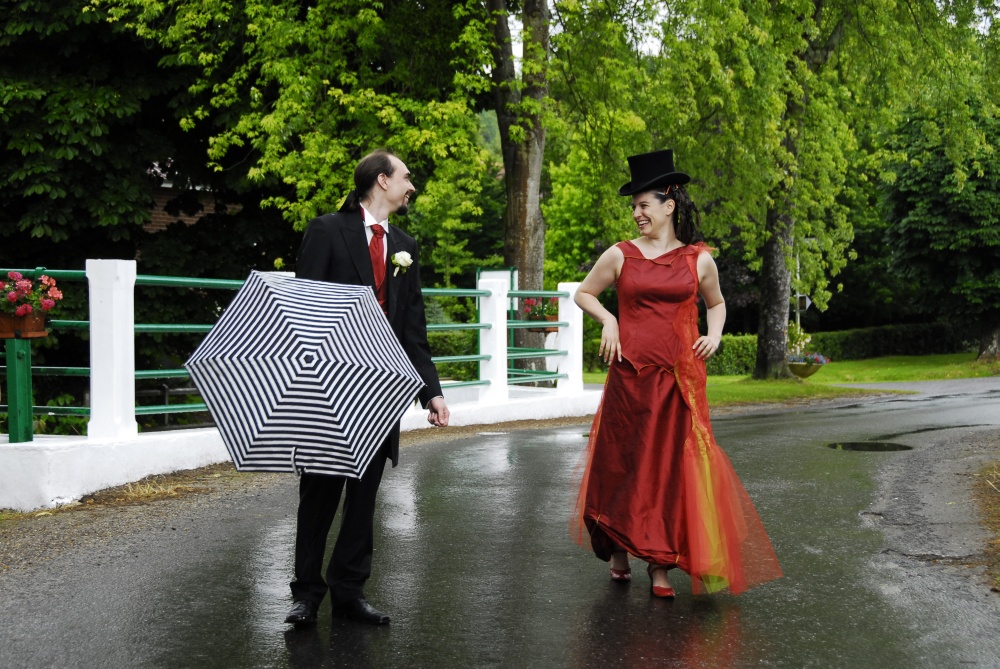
{"x": 734, "y": 390}
{"x": 9, "y": 517}
{"x": 907, "y": 368}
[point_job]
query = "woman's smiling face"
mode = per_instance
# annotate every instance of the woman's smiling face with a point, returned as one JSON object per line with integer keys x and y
{"x": 650, "y": 214}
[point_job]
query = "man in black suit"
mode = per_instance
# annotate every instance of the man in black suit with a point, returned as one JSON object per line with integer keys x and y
{"x": 357, "y": 246}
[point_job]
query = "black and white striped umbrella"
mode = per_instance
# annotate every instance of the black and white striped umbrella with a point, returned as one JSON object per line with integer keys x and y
{"x": 303, "y": 376}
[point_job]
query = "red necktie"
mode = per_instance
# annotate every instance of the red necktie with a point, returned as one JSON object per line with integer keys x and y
{"x": 377, "y": 251}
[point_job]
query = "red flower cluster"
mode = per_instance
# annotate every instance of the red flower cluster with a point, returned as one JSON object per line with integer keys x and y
{"x": 538, "y": 308}
{"x": 23, "y": 296}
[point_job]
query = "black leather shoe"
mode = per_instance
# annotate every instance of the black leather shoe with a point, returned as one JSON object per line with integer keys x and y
{"x": 360, "y": 611}
{"x": 302, "y": 613}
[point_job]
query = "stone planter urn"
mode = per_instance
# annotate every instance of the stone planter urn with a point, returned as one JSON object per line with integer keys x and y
{"x": 804, "y": 369}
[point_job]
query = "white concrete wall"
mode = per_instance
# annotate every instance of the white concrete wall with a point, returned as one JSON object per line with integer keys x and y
{"x": 54, "y": 470}
{"x": 525, "y": 404}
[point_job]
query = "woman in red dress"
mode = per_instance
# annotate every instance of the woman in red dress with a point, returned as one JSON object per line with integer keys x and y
{"x": 655, "y": 484}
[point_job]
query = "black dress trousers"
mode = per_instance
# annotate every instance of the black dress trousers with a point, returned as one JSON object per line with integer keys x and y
{"x": 351, "y": 562}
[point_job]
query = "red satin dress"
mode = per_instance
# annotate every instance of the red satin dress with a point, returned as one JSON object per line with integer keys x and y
{"x": 654, "y": 482}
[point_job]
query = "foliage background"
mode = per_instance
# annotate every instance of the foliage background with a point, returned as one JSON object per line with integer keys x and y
{"x": 869, "y": 128}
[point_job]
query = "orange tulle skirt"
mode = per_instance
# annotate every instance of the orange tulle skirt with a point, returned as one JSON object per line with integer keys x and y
{"x": 654, "y": 483}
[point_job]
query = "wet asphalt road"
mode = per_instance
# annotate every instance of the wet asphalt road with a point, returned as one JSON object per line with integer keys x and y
{"x": 474, "y": 563}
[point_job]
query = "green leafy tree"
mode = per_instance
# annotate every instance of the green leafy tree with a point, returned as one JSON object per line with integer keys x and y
{"x": 829, "y": 77}
{"x": 601, "y": 100}
{"x": 90, "y": 134}
{"x": 777, "y": 109}
{"x": 85, "y": 117}
{"x": 295, "y": 95}
{"x": 944, "y": 225}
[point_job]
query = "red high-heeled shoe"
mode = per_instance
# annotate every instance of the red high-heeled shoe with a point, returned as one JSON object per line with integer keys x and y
{"x": 664, "y": 591}
{"x": 622, "y": 575}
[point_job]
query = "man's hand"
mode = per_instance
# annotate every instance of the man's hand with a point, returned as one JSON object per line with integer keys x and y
{"x": 437, "y": 414}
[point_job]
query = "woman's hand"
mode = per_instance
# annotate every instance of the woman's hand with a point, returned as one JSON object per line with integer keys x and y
{"x": 611, "y": 345}
{"x": 705, "y": 347}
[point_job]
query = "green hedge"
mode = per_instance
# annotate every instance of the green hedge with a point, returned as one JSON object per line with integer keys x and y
{"x": 738, "y": 353}
{"x": 591, "y": 344}
{"x": 918, "y": 339}
{"x": 455, "y": 342}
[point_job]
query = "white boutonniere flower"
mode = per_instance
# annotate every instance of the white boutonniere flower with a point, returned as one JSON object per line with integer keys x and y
{"x": 401, "y": 260}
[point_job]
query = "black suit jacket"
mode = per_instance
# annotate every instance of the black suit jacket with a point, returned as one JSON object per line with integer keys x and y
{"x": 335, "y": 249}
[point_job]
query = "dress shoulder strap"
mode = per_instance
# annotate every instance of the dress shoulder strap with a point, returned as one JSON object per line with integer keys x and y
{"x": 629, "y": 249}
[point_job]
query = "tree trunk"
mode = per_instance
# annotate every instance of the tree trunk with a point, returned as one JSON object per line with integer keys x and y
{"x": 776, "y": 286}
{"x": 524, "y": 238}
{"x": 776, "y": 275}
{"x": 989, "y": 346}
{"x": 522, "y": 142}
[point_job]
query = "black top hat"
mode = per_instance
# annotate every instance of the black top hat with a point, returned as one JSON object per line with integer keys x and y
{"x": 650, "y": 170}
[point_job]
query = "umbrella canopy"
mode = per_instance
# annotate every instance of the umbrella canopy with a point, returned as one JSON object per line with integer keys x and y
{"x": 303, "y": 376}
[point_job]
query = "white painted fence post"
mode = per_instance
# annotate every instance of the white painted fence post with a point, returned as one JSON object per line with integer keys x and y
{"x": 493, "y": 342}
{"x": 570, "y": 339}
{"x": 112, "y": 349}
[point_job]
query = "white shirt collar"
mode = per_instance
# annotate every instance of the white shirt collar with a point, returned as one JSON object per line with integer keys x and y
{"x": 370, "y": 221}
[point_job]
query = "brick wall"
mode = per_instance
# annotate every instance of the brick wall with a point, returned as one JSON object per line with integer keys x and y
{"x": 160, "y": 219}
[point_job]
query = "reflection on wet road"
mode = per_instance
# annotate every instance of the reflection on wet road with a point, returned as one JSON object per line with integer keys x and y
{"x": 474, "y": 563}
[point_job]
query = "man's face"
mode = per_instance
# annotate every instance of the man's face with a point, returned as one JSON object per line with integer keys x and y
{"x": 398, "y": 188}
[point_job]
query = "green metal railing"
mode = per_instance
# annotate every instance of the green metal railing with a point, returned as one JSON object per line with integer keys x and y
{"x": 139, "y": 328}
{"x": 19, "y": 374}
{"x": 517, "y": 376}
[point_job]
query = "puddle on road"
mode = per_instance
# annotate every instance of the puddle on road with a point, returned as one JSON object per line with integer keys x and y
{"x": 868, "y": 446}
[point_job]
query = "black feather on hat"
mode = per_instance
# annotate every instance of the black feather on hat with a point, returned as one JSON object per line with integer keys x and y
{"x": 650, "y": 170}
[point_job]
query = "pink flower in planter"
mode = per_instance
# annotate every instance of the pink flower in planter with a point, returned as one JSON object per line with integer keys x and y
{"x": 25, "y": 296}
{"x": 538, "y": 308}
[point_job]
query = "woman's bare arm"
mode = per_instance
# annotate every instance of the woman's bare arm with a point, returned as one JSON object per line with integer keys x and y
{"x": 604, "y": 273}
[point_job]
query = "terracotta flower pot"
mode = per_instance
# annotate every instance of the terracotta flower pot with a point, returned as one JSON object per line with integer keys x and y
{"x": 548, "y": 318}
{"x": 31, "y": 326}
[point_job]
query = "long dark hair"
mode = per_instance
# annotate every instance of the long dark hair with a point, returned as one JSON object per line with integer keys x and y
{"x": 366, "y": 175}
{"x": 687, "y": 218}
